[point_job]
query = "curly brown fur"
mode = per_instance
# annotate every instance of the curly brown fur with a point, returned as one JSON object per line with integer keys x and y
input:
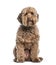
{"x": 27, "y": 37}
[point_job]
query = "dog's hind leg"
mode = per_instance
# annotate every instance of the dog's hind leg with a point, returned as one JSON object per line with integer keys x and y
{"x": 14, "y": 52}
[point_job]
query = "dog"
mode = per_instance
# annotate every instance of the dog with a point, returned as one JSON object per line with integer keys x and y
{"x": 27, "y": 38}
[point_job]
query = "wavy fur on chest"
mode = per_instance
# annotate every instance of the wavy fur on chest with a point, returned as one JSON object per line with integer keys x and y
{"x": 27, "y": 34}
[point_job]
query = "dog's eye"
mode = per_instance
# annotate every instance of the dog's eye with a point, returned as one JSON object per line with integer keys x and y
{"x": 32, "y": 13}
{"x": 25, "y": 13}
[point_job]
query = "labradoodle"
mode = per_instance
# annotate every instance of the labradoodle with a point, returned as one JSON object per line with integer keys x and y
{"x": 27, "y": 37}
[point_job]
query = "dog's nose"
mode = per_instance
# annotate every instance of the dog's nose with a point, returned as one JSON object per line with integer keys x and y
{"x": 29, "y": 15}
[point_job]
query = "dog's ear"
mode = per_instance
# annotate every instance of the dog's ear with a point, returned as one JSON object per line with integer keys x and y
{"x": 19, "y": 18}
{"x": 38, "y": 16}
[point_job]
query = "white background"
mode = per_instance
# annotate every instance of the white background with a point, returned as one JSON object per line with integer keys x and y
{"x": 9, "y": 10}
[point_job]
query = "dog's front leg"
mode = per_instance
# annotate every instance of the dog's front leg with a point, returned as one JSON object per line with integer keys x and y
{"x": 34, "y": 53}
{"x": 20, "y": 53}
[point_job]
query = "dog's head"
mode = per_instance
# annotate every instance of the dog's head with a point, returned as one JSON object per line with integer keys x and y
{"x": 28, "y": 16}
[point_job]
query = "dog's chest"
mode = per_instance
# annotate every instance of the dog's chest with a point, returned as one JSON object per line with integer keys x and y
{"x": 29, "y": 34}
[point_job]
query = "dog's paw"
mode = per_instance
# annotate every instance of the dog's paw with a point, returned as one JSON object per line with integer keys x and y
{"x": 39, "y": 59}
{"x": 19, "y": 60}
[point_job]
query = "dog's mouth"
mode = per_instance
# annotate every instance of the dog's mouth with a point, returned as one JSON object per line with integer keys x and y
{"x": 30, "y": 22}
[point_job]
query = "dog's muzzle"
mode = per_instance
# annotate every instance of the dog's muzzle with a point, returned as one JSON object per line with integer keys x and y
{"x": 30, "y": 21}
